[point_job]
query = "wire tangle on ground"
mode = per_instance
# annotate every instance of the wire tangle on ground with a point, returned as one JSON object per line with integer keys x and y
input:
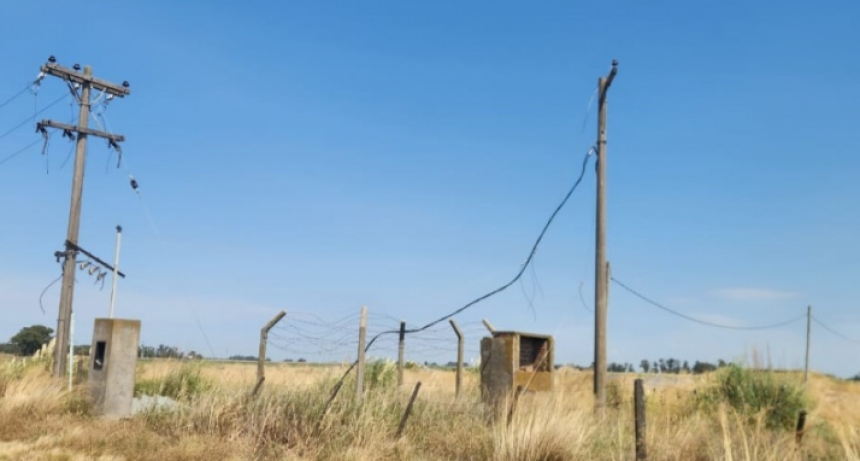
{"x": 703, "y": 322}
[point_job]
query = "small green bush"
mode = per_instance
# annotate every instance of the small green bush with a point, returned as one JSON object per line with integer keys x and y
{"x": 380, "y": 374}
{"x": 183, "y": 383}
{"x": 751, "y": 392}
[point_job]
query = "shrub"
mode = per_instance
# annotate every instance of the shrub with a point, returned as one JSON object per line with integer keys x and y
{"x": 185, "y": 382}
{"x": 753, "y": 392}
{"x": 380, "y": 374}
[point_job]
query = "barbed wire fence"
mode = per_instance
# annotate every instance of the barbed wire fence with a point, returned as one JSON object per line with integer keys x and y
{"x": 305, "y": 335}
{"x": 309, "y": 337}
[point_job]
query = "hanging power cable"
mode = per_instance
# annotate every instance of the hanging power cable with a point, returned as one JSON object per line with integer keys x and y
{"x": 703, "y": 322}
{"x": 502, "y": 288}
{"x": 831, "y": 330}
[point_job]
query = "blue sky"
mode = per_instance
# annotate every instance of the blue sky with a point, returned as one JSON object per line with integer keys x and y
{"x": 320, "y": 156}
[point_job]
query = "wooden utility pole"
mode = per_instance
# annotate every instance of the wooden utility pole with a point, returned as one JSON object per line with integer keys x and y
{"x": 601, "y": 282}
{"x": 87, "y": 83}
{"x": 808, "y": 338}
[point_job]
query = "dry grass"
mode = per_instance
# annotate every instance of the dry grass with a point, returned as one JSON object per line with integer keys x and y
{"x": 40, "y": 420}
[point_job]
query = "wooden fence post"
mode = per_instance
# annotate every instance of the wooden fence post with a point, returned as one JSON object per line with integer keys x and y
{"x": 408, "y": 410}
{"x": 459, "y": 379}
{"x": 400, "y": 349}
{"x": 328, "y": 404}
{"x": 801, "y": 422}
{"x": 514, "y": 401}
{"x": 359, "y": 371}
{"x": 639, "y": 410}
{"x": 261, "y": 360}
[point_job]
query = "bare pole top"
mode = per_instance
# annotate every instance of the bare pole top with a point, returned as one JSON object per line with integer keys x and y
{"x": 611, "y": 75}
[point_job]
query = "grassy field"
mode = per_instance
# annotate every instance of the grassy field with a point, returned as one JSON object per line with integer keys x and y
{"x": 690, "y": 418}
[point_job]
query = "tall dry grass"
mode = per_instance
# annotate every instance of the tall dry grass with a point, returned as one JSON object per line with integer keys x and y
{"x": 40, "y": 419}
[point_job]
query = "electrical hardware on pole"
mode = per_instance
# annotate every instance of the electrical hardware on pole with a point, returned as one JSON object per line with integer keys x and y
{"x": 85, "y": 82}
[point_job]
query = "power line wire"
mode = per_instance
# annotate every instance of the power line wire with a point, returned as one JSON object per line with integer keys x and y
{"x": 31, "y": 117}
{"x": 20, "y": 151}
{"x": 582, "y": 299}
{"x": 23, "y": 90}
{"x": 587, "y": 110}
{"x": 46, "y": 290}
{"x": 831, "y": 330}
{"x": 703, "y": 322}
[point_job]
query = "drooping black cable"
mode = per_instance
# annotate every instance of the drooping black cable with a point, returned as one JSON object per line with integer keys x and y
{"x": 702, "y": 322}
{"x": 46, "y": 290}
{"x": 831, "y": 330}
{"x": 501, "y": 288}
{"x": 582, "y": 300}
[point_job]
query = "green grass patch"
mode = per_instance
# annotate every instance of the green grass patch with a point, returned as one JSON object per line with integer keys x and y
{"x": 186, "y": 382}
{"x": 755, "y": 392}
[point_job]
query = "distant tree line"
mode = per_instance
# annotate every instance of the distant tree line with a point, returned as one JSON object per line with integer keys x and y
{"x": 246, "y": 358}
{"x": 669, "y": 365}
{"x": 165, "y": 352}
{"x": 672, "y": 365}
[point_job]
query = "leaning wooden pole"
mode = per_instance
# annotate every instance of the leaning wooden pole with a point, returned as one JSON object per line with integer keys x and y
{"x": 408, "y": 410}
{"x": 261, "y": 360}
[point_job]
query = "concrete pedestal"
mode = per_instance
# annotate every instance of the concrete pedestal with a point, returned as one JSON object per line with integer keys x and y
{"x": 113, "y": 357}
